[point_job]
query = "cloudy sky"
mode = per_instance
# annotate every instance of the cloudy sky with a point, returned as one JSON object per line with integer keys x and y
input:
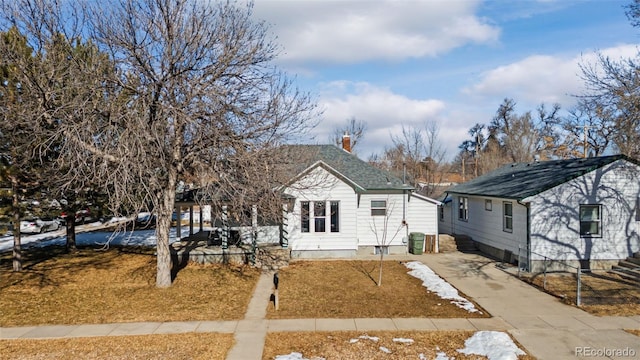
{"x": 408, "y": 62}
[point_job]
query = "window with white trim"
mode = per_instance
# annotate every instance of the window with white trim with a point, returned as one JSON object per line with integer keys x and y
{"x": 305, "y": 216}
{"x": 488, "y": 205}
{"x": 315, "y": 212}
{"x": 463, "y": 208}
{"x": 590, "y": 220}
{"x": 319, "y": 216}
{"x": 378, "y": 207}
{"x": 507, "y": 215}
{"x": 335, "y": 215}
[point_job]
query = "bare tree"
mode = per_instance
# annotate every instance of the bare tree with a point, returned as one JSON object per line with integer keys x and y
{"x": 613, "y": 91}
{"x": 417, "y": 155}
{"x": 354, "y": 128}
{"x": 194, "y": 95}
{"x": 384, "y": 232}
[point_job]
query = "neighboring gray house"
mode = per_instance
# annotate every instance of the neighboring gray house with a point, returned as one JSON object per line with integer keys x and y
{"x": 581, "y": 211}
{"x": 344, "y": 206}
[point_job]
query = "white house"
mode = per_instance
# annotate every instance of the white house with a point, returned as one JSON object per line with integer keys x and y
{"x": 582, "y": 212}
{"x": 344, "y": 206}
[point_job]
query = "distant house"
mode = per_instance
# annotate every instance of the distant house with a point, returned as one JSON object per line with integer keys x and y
{"x": 344, "y": 206}
{"x": 581, "y": 211}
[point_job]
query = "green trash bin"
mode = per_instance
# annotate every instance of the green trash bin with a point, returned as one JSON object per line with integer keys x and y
{"x": 416, "y": 240}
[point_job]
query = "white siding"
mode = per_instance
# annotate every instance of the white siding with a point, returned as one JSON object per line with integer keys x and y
{"x": 320, "y": 185}
{"x": 487, "y": 227}
{"x": 555, "y": 224}
{"x": 422, "y": 216}
{"x": 371, "y": 228}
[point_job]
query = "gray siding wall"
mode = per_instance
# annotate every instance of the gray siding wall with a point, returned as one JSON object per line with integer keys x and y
{"x": 486, "y": 227}
{"x": 555, "y": 224}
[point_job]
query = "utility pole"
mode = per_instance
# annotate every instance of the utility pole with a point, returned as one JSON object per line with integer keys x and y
{"x": 586, "y": 133}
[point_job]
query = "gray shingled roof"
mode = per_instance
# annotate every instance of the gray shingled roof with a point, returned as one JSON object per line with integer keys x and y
{"x": 521, "y": 180}
{"x": 346, "y": 164}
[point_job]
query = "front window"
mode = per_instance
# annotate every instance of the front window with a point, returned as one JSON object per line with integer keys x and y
{"x": 590, "y": 220}
{"x": 315, "y": 212}
{"x": 335, "y": 216}
{"x": 507, "y": 224}
{"x": 319, "y": 214}
{"x": 378, "y": 207}
{"x": 304, "y": 215}
{"x": 463, "y": 208}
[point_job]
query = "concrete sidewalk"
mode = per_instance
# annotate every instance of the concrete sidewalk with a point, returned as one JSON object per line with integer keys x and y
{"x": 547, "y": 328}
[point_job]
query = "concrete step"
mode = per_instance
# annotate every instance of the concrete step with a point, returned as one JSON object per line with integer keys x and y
{"x": 635, "y": 260}
{"x": 629, "y": 264}
{"x": 625, "y": 275}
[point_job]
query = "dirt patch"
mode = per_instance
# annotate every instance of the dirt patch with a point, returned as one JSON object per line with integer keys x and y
{"x": 601, "y": 293}
{"x": 117, "y": 285}
{"x": 178, "y": 346}
{"x": 347, "y": 289}
{"x": 342, "y": 345}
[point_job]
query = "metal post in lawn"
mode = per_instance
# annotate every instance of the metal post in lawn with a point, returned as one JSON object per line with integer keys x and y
{"x": 254, "y": 233}
{"x": 544, "y": 278}
{"x": 578, "y": 285}
{"x": 276, "y": 281}
{"x": 519, "y": 261}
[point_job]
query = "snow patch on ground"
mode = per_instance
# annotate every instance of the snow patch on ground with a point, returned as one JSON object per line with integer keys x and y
{"x": 295, "y": 356}
{"x": 87, "y": 235}
{"x": 495, "y": 345}
{"x": 435, "y": 283}
{"x": 403, "y": 340}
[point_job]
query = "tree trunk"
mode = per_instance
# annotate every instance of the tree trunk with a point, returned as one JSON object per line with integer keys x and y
{"x": 380, "y": 272}
{"x": 17, "y": 240}
{"x": 70, "y": 224}
{"x": 163, "y": 227}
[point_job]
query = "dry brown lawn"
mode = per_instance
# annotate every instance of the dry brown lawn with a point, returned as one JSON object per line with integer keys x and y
{"x": 347, "y": 289}
{"x": 118, "y": 285}
{"x": 602, "y": 294}
{"x": 338, "y": 345}
{"x": 179, "y": 346}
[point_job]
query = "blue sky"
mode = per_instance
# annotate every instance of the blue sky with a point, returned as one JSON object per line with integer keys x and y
{"x": 452, "y": 62}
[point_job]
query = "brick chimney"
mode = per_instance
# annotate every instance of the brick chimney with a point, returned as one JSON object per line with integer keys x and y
{"x": 346, "y": 142}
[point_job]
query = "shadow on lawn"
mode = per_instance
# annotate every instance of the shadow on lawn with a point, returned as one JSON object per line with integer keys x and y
{"x": 362, "y": 267}
{"x": 47, "y": 266}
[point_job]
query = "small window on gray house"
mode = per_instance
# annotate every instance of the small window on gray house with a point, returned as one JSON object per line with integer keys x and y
{"x": 441, "y": 212}
{"x": 488, "y": 205}
{"x": 507, "y": 224}
{"x": 590, "y": 220}
{"x": 463, "y": 208}
{"x": 378, "y": 207}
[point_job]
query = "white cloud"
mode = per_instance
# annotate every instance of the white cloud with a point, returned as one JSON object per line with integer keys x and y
{"x": 350, "y": 31}
{"x": 382, "y": 110}
{"x": 541, "y": 78}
